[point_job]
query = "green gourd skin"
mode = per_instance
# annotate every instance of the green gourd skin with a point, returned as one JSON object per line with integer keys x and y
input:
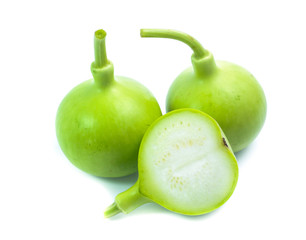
{"x": 225, "y": 91}
{"x": 100, "y": 122}
{"x": 185, "y": 165}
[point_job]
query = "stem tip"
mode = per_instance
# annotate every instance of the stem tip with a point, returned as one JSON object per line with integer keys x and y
{"x": 112, "y": 210}
{"x": 100, "y": 34}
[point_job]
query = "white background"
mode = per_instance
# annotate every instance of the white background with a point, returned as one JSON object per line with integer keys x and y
{"x": 47, "y": 48}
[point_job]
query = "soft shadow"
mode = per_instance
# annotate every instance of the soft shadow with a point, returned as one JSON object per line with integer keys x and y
{"x": 244, "y": 154}
{"x": 146, "y": 209}
{"x": 197, "y": 217}
{"x": 154, "y": 208}
{"x": 117, "y": 185}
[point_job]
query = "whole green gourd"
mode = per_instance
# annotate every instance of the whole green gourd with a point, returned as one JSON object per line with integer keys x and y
{"x": 225, "y": 91}
{"x": 100, "y": 123}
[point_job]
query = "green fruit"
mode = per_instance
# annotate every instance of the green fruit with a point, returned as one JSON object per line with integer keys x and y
{"x": 185, "y": 164}
{"x": 100, "y": 123}
{"x": 225, "y": 91}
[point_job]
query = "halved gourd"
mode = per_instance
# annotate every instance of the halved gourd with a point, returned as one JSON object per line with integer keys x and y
{"x": 185, "y": 164}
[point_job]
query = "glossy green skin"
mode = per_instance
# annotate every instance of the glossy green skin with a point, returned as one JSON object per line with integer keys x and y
{"x": 228, "y": 93}
{"x": 99, "y": 128}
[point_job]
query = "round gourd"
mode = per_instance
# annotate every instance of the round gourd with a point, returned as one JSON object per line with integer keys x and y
{"x": 100, "y": 123}
{"x": 225, "y": 91}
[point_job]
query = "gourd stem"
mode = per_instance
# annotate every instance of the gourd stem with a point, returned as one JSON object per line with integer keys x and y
{"x": 112, "y": 210}
{"x": 102, "y": 69}
{"x": 127, "y": 201}
{"x": 202, "y": 60}
{"x": 100, "y": 51}
{"x": 199, "y": 51}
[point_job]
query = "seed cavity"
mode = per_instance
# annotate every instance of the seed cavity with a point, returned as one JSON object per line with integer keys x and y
{"x": 157, "y": 162}
{"x": 177, "y": 183}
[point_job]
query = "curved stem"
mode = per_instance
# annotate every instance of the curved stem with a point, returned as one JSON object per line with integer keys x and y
{"x": 199, "y": 51}
{"x": 100, "y": 51}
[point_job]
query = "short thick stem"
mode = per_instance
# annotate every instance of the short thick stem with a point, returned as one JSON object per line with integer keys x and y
{"x": 102, "y": 69}
{"x": 204, "y": 66}
{"x": 127, "y": 201}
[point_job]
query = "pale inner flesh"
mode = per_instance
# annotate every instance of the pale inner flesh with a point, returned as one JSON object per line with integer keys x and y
{"x": 187, "y": 166}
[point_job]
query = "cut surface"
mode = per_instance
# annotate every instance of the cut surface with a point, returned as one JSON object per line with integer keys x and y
{"x": 185, "y": 163}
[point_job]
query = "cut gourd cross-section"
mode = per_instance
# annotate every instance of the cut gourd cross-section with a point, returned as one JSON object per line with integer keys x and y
{"x": 185, "y": 164}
